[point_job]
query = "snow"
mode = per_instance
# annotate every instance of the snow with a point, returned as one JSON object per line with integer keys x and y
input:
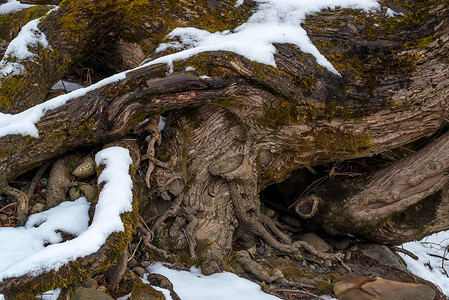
{"x": 25, "y": 122}
{"x": 275, "y": 21}
{"x": 436, "y": 244}
{"x": 238, "y": 3}
{"x": 24, "y": 249}
{"x": 193, "y": 285}
{"x": 12, "y": 6}
{"x": 391, "y": 13}
{"x": 18, "y": 48}
{"x": 65, "y": 85}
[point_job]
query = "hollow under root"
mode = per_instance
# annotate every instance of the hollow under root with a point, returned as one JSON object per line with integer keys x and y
{"x": 254, "y": 268}
{"x": 22, "y": 200}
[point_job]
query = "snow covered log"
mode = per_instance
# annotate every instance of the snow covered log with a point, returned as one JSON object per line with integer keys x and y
{"x": 65, "y": 264}
{"x": 244, "y": 106}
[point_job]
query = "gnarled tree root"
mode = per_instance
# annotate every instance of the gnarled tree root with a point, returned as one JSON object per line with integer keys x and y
{"x": 254, "y": 268}
{"x": 22, "y": 200}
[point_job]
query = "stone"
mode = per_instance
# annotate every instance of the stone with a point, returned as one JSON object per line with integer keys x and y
{"x": 139, "y": 271}
{"x": 3, "y": 217}
{"x": 38, "y": 207}
{"x": 83, "y": 293}
{"x": 316, "y": 242}
{"x": 366, "y": 288}
{"x": 44, "y": 181}
{"x": 90, "y": 283}
{"x": 265, "y": 157}
{"x": 89, "y": 191}
{"x": 383, "y": 255}
{"x": 343, "y": 286}
{"x": 290, "y": 220}
{"x": 327, "y": 263}
{"x": 143, "y": 291}
{"x": 74, "y": 193}
{"x": 269, "y": 212}
{"x": 146, "y": 263}
{"x": 85, "y": 169}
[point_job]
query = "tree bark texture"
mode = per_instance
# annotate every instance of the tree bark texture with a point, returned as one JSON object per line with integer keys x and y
{"x": 248, "y": 125}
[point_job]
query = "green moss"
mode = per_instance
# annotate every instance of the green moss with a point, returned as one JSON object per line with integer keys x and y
{"x": 418, "y": 216}
{"x": 141, "y": 290}
{"x": 324, "y": 286}
{"x": 291, "y": 272}
{"x": 280, "y": 112}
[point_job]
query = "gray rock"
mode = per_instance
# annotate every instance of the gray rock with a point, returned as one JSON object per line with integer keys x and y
{"x": 85, "y": 169}
{"x": 139, "y": 271}
{"x": 74, "y": 193}
{"x": 83, "y": 293}
{"x": 290, "y": 220}
{"x": 327, "y": 263}
{"x": 316, "y": 242}
{"x": 145, "y": 263}
{"x": 38, "y": 207}
{"x": 89, "y": 191}
{"x": 90, "y": 283}
{"x": 3, "y": 217}
{"x": 265, "y": 157}
{"x": 382, "y": 254}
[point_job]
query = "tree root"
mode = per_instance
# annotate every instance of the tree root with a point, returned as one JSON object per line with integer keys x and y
{"x": 155, "y": 138}
{"x": 147, "y": 237}
{"x": 171, "y": 212}
{"x": 273, "y": 227}
{"x": 119, "y": 271}
{"x": 22, "y": 199}
{"x": 36, "y": 178}
{"x": 254, "y": 268}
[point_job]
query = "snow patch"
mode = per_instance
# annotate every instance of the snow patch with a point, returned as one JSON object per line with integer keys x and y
{"x": 65, "y": 85}
{"x": 193, "y": 285}
{"x": 238, "y": 3}
{"x": 428, "y": 266}
{"x": 24, "y": 249}
{"x": 391, "y": 13}
{"x": 275, "y": 21}
{"x": 12, "y": 6}
{"x": 18, "y": 49}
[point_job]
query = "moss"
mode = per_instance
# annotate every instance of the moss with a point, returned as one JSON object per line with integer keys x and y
{"x": 280, "y": 112}
{"x": 141, "y": 290}
{"x": 291, "y": 272}
{"x": 418, "y": 216}
{"x": 324, "y": 286}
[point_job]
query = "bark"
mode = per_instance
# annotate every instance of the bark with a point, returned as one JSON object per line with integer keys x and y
{"x": 246, "y": 126}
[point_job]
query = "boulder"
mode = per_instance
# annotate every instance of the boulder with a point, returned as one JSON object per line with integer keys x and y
{"x": 382, "y": 254}
{"x": 316, "y": 242}
{"x": 367, "y": 288}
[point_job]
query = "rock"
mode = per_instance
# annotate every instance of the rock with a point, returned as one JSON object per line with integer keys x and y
{"x": 290, "y": 220}
{"x": 44, "y": 181}
{"x": 265, "y": 157}
{"x": 316, "y": 242}
{"x": 83, "y": 189}
{"x": 90, "y": 283}
{"x": 340, "y": 244}
{"x": 139, "y": 271}
{"x": 3, "y": 217}
{"x": 85, "y": 169}
{"x": 145, "y": 263}
{"x": 269, "y": 212}
{"x": 327, "y": 263}
{"x": 350, "y": 283}
{"x": 348, "y": 255}
{"x": 142, "y": 291}
{"x": 38, "y": 207}
{"x": 83, "y": 293}
{"x": 367, "y": 288}
{"x": 383, "y": 255}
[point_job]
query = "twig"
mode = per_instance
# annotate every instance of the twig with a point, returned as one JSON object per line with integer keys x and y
{"x": 397, "y": 249}
{"x": 309, "y": 189}
{"x": 8, "y": 205}
{"x": 134, "y": 252}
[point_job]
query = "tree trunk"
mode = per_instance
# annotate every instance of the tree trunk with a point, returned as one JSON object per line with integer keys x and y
{"x": 244, "y": 125}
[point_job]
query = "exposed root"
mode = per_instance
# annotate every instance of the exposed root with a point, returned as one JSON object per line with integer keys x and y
{"x": 155, "y": 138}
{"x": 254, "y": 268}
{"x": 37, "y": 177}
{"x": 171, "y": 212}
{"x": 272, "y": 226}
{"x": 190, "y": 234}
{"x": 147, "y": 237}
{"x": 22, "y": 200}
{"x": 163, "y": 282}
{"x": 119, "y": 271}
